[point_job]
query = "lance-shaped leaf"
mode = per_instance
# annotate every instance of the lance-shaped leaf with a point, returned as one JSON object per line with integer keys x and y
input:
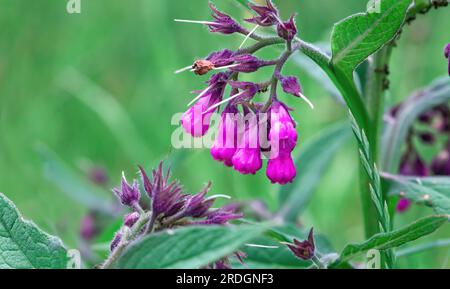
{"x": 315, "y": 158}
{"x": 359, "y": 36}
{"x": 188, "y": 248}
{"x": 432, "y": 192}
{"x": 23, "y": 245}
{"x": 393, "y": 239}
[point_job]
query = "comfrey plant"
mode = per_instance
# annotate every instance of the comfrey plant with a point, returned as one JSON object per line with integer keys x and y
{"x": 170, "y": 208}
{"x": 248, "y": 129}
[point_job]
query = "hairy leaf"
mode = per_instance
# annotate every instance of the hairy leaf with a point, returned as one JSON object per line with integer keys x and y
{"x": 432, "y": 192}
{"x": 23, "y": 245}
{"x": 393, "y": 239}
{"x": 188, "y": 248}
{"x": 359, "y": 36}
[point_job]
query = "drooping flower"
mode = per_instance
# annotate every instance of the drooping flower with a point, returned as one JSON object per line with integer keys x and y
{"x": 287, "y": 30}
{"x": 283, "y": 135}
{"x": 267, "y": 15}
{"x": 196, "y": 120}
{"x": 447, "y": 55}
{"x": 247, "y": 159}
{"x": 129, "y": 195}
{"x": 225, "y": 144}
{"x": 223, "y": 23}
{"x": 281, "y": 169}
{"x": 304, "y": 250}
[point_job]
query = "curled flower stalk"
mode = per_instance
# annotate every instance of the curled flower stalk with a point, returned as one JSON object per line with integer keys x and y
{"x": 170, "y": 207}
{"x": 245, "y": 143}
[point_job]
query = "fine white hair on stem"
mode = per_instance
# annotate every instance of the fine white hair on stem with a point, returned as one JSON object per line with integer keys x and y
{"x": 248, "y": 36}
{"x": 200, "y": 95}
{"x": 213, "y": 197}
{"x": 183, "y": 69}
{"x": 261, "y": 246}
{"x": 195, "y": 21}
{"x": 223, "y": 101}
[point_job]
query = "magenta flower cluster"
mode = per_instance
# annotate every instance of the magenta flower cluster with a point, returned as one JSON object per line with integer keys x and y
{"x": 272, "y": 133}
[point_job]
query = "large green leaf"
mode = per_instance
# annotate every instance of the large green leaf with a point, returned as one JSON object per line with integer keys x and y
{"x": 359, "y": 36}
{"x": 23, "y": 245}
{"x": 188, "y": 248}
{"x": 393, "y": 239}
{"x": 432, "y": 192}
{"x": 397, "y": 130}
{"x": 313, "y": 160}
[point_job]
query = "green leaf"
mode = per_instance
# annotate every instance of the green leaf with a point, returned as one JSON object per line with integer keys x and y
{"x": 422, "y": 247}
{"x": 397, "y": 130}
{"x": 432, "y": 192}
{"x": 393, "y": 239}
{"x": 188, "y": 248}
{"x": 70, "y": 183}
{"x": 314, "y": 157}
{"x": 23, "y": 245}
{"x": 357, "y": 37}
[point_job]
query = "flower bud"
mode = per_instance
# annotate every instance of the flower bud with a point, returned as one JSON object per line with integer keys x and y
{"x": 131, "y": 219}
{"x": 304, "y": 250}
{"x": 403, "y": 205}
{"x": 116, "y": 241}
{"x": 129, "y": 195}
{"x": 287, "y": 30}
{"x": 267, "y": 15}
{"x": 247, "y": 63}
{"x": 223, "y": 23}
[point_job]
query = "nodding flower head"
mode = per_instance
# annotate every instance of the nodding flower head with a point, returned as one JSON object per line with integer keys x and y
{"x": 267, "y": 15}
{"x": 226, "y": 141}
{"x": 223, "y": 23}
{"x": 247, "y": 63}
{"x": 287, "y": 30}
{"x": 282, "y": 134}
{"x": 447, "y": 55}
{"x": 247, "y": 159}
{"x": 281, "y": 169}
{"x": 196, "y": 120}
{"x": 129, "y": 195}
{"x": 215, "y": 60}
{"x": 304, "y": 250}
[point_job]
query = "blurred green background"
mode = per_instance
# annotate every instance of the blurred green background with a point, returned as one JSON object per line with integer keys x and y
{"x": 97, "y": 89}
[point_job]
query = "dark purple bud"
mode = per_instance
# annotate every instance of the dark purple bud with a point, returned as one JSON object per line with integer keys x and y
{"x": 129, "y": 195}
{"x": 248, "y": 63}
{"x": 131, "y": 219}
{"x": 441, "y": 164}
{"x": 403, "y": 205}
{"x": 291, "y": 85}
{"x": 116, "y": 241}
{"x": 248, "y": 89}
{"x": 87, "y": 228}
{"x": 267, "y": 15}
{"x": 223, "y": 23}
{"x": 287, "y": 30}
{"x": 427, "y": 138}
{"x": 304, "y": 250}
{"x": 447, "y": 55}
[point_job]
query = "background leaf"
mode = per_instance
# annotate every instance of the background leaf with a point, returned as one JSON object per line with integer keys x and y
{"x": 359, "y": 36}
{"x": 393, "y": 239}
{"x": 432, "y": 192}
{"x": 23, "y": 245}
{"x": 314, "y": 157}
{"x": 188, "y": 248}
